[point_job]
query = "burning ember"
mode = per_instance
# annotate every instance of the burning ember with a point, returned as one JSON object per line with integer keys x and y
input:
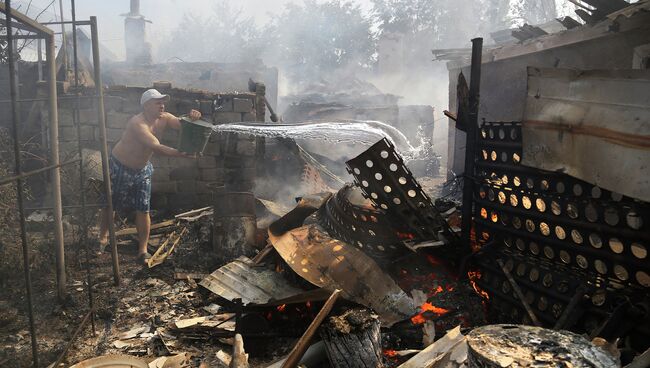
{"x": 473, "y": 277}
{"x": 389, "y": 353}
{"x": 408, "y": 236}
{"x": 420, "y": 318}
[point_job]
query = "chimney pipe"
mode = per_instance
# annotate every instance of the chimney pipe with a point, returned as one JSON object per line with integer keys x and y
{"x": 135, "y": 7}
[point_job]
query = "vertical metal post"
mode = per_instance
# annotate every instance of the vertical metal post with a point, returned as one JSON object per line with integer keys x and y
{"x": 56, "y": 173}
{"x": 470, "y": 141}
{"x": 64, "y": 46}
{"x": 39, "y": 50}
{"x": 104, "y": 147}
{"x": 83, "y": 239}
{"x": 19, "y": 182}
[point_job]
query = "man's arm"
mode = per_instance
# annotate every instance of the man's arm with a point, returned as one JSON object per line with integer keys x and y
{"x": 144, "y": 135}
{"x": 175, "y": 123}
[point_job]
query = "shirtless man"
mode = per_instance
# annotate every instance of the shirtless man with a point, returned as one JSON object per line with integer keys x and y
{"x": 130, "y": 167}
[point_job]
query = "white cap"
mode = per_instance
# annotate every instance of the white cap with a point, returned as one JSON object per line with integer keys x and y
{"x": 151, "y": 94}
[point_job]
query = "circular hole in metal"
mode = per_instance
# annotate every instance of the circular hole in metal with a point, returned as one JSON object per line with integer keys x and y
{"x": 505, "y": 287}
{"x": 599, "y": 298}
{"x": 559, "y": 187}
{"x": 542, "y": 303}
{"x": 595, "y": 240}
{"x": 482, "y": 193}
{"x": 544, "y": 184}
{"x": 611, "y": 216}
{"x": 371, "y": 232}
{"x": 393, "y": 167}
{"x": 634, "y": 220}
{"x": 643, "y": 278}
{"x": 504, "y": 179}
{"x": 399, "y": 201}
{"x": 516, "y": 181}
{"x": 545, "y": 229}
{"x": 560, "y": 233}
{"x": 483, "y": 133}
{"x": 563, "y": 286}
{"x": 621, "y": 273}
{"x": 557, "y": 310}
{"x": 565, "y": 256}
{"x": 364, "y": 183}
{"x": 577, "y": 189}
{"x": 530, "y": 225}
{"x": 521, "y": 269}
{"x": 491, "y": 133}
{"x": 530, "y": 183}
{"x": 582, "y": 262}
{"x": 549, "y": 252}
{"x": 357, "y": 171}
{"x": 378, "y": 176}
{"x": 402, "y": 180}
{"x": 491, "y": 195}
{"x": 504, "y": 156}
{"x": 363, "y": 218}
{"x": 556, "y": 208}
{"x": 374, "y": 195}
{"x": 525, "y": 201}
{"x": 513, "y": 200}
{"x": 617, "y": 196}
{"x": 494, "y": 217}
{"x": 513, "y": 133}
{"x": 516, "y": 158}
{"x": 387, "y": 189}
{"x": 576, "y": 236}
{"x": 502, "y": 197}
{"x": 508, "y": 242}
{"x": 383, "y": 154}
{"x": 369, "y": 163}
{"x": 381, "y": 248}
{"x": 534, "y": 248}
{"x": 600, "y": 266}
{"x": 493, "y": 156}
{"x": 521, "y": 244}
{"x": 596, "y": 192}
{"x": 502, "y": 133}
{"x": 572, "y": 210}
{"x": 616, "y": 245}
{"x": 540, "y": 204}
{"x": 534, "y": 274}
{"x": 639, "y": 251}
{"x": 516, "y": 222}
{"x": 411, "y": 193}
{"x": 547, "y": 280}
{"x": 383, "y": 206}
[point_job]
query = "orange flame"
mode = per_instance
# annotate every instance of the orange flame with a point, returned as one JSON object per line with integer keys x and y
{"x": 473, "y": 277}
{"x": 281, "y": 308}
{"x": 419, "y": 319}
{"x": 389, "y": 353}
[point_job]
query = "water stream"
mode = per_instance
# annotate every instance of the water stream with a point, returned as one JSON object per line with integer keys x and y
{"x": 363, "y": 132}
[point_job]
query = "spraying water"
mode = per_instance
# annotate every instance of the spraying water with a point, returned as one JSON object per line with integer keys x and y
{"x": 364, "y": 132}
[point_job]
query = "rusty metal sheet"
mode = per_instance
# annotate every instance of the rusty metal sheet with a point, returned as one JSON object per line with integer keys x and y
{"x": 254, "y": 285}
{"x": 333, "y": 264}
{"x": 592, "y": 125}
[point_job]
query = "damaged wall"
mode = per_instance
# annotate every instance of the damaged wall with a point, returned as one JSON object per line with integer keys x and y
{"x": 608, "y": 45}
{"x": 177, "y": 182}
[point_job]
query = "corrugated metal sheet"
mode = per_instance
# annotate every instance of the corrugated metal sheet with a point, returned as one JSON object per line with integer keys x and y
{"x": 241, "y": 279}
{"x": 592, "y": 125}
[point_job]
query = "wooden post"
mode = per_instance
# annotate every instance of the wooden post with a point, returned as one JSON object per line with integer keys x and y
{"x": 353, "y": 339}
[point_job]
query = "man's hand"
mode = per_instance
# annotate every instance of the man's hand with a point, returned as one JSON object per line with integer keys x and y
{"x": 195, "y": 115}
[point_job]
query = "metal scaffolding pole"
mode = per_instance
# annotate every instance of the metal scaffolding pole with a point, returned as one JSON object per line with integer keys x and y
{"x": 19, "y": 182}
{"x": 104, "y": 148}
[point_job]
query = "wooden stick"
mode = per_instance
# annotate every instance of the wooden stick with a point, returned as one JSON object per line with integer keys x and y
{"x": 259, "y": 257}
{"x": 520, "y": 295}
{"x": 303, "y": 343}
{"x": 133, "y": 230}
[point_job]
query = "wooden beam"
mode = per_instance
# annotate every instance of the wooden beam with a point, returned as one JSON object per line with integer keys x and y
{"x": 22, "y": 18}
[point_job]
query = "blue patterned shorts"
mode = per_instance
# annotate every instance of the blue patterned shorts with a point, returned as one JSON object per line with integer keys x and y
{"x": 131, "y": 188}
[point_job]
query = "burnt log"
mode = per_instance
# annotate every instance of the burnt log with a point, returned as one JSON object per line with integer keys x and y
{"x": 352, "y": 339}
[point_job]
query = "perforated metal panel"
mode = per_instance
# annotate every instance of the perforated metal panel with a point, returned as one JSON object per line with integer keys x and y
{"x": 385, "y": 180}
{"x": 554, "y": 232}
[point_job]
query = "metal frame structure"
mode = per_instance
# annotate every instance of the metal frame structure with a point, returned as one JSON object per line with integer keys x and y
{"x": 15, "y": 19}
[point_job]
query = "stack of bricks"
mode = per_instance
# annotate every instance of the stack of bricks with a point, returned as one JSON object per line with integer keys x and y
{"x": 178, "y": 183}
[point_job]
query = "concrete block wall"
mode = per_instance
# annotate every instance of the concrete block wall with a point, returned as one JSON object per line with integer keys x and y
{"x": 178, "y": 183}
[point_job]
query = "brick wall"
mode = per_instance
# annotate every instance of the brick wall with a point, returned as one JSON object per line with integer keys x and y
{"x": 178, "y": 183}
